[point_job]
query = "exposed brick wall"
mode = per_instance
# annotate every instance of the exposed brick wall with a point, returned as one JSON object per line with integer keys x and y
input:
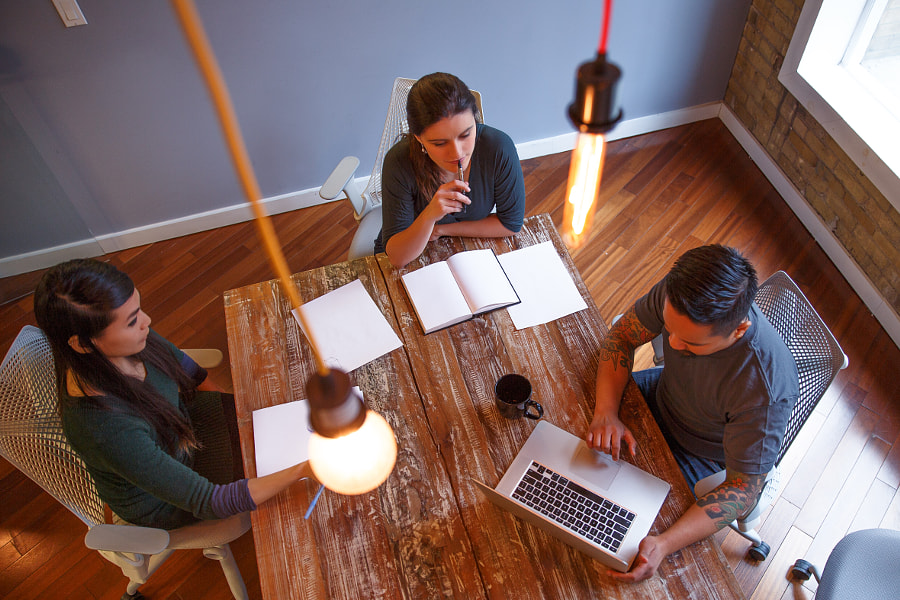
{"x": 862, "y": 220}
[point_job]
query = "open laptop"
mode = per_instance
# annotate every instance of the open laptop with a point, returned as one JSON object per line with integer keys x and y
{"x": 599, "y": 506}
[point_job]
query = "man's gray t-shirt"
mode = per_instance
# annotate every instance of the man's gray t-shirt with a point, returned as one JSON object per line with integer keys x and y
{"x": 733, "y": 405}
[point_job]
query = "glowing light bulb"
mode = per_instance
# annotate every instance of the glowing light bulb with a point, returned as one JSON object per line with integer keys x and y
{"x": 358, "y": 462}
{"x": 591, "y": 113}
{"x": 585, "y": 172}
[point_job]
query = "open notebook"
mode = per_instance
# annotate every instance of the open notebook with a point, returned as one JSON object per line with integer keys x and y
{"x": 451, "y": 291}
{"x": 599, "y": 506}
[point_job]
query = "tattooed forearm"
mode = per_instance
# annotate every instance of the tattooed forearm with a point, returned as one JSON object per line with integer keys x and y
{"x": 617, "y": 353}
{"x": 626, "y": 335}
{"x": 733, "y": 498}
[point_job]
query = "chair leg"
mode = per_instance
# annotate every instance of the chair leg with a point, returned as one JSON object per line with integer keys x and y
{"x": 759, "y": 550}
{"x": 225, "y": 557}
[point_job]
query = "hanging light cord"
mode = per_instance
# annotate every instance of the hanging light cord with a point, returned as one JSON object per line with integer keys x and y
{"x": 604, "y": 32}
{"x": 199, "y": 43}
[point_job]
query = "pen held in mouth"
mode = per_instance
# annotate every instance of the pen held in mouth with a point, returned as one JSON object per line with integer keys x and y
{"x": 461, "y": 176}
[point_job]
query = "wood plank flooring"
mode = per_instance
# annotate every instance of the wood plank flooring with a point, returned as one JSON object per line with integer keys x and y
{"x": 662, "y": 193}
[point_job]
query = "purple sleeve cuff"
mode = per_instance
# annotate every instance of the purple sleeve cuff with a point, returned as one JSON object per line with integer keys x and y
{"x": 231, "y": 499}
{"x": 194, "y": 371}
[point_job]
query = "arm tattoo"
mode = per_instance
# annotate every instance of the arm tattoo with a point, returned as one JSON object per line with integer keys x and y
{"x": 617, "y": 352}
{"x": 626, "y": 334}
{"x": 733, "y": 498}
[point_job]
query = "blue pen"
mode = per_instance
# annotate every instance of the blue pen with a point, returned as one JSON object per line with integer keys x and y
{"x": 312, "y": 504}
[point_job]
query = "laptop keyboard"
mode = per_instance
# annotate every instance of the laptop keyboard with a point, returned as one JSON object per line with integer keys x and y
{"x": 574, "y": 507}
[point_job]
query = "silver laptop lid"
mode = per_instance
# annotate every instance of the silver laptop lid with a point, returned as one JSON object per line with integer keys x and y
{"x": 617, "y": 481}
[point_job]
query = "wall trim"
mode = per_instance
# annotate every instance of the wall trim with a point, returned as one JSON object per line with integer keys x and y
{"x": 239, "y": 213}
{"x": 625, "y": 129}
{"x": 861, "y": 284}
{"x": 213, "y": 219}
{"x": 156, "y": 232}
{"x": 47, "y": 257}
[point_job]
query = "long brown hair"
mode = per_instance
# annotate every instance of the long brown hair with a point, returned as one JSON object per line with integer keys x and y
{"x": 432, "y": 98}
{"x": 76, "y": 298}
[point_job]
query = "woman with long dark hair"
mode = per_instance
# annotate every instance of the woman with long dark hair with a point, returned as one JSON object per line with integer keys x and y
{"x": 423, "y": 195}
{"x": 157, "y": 436}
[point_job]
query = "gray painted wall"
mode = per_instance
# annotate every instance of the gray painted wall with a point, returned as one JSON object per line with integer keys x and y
{"x": 108, "y": 127}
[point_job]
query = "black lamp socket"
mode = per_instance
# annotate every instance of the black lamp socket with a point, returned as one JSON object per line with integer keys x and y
{"x": 594, "y": 96}
{"x": 334, "y": 408}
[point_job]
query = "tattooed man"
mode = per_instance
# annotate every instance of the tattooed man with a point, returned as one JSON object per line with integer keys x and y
{"x": 722, "y": 398}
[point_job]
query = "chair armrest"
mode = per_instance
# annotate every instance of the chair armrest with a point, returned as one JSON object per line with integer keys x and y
{"x": 127, "y": 538}
{"x": 342, "y": 180}
{"x": 709, "y": 483}
{"x": 207, "y": 358}
{"x": 339, "y": 177}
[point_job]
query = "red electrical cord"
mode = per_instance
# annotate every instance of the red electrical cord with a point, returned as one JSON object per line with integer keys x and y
{"x": 604, "y": 34}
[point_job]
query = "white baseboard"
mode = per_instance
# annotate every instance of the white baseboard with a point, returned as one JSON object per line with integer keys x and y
{"x": 868, "y": 293}
{"x": 41, "y": 259}
{"x": 238, "y": 213}
{"x": 205, "y": 221}
{"x": 625, "y": 129}
{"x": 156, "y": 232}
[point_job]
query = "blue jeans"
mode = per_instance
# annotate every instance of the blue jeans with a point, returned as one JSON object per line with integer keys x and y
{"x": 692, "y": 467}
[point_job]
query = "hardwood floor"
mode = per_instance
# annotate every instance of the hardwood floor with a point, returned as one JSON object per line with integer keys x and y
{"x": 663, "y": 193}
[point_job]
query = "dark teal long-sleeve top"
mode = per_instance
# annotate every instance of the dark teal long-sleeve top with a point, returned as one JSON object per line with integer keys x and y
{"x": 495, "y": 179}
{"x": 134, "y": 475}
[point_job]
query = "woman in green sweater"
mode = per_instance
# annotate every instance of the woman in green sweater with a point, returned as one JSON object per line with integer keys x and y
{"x": 157, "y": 436}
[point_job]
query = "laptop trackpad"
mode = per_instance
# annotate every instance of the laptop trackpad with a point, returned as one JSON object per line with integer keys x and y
{"x": 596, "y": 467}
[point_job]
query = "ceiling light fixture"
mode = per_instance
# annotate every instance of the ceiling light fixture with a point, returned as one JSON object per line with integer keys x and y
{"x": 591, "y": 113}
{"x": 352, "y": 449}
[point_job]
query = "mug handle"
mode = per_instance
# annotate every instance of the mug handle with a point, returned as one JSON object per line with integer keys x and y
{"x": 539, "y": 410}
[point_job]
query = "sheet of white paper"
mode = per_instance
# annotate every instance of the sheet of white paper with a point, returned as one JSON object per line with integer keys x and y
{"x": 543, "y": 283}
{"x": 281, "y": 436}
{"x": 348, "y": 327}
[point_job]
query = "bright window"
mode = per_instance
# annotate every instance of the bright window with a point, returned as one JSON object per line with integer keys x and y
{"x": 843, "y": 66}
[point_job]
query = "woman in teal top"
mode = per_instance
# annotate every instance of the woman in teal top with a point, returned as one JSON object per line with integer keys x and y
{"x": 450, "y": 176}
{"x": 157, "y": 436}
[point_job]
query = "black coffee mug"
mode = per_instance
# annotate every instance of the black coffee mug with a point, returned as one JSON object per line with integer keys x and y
{"x": 512, "y": 395}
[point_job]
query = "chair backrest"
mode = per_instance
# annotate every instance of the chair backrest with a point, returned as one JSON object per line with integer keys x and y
{"x": 395, "y": 126}
{"x": 31, "y": 435}
{"x": 815, "y": 350}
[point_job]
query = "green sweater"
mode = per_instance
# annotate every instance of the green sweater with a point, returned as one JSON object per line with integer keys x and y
{"x": 134, "y": 475}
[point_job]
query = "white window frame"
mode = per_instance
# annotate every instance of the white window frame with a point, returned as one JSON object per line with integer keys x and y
{"x": 840, "y": 99}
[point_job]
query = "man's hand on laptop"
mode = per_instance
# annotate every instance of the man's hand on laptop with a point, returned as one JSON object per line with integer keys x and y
{"x": 650, "y": 554}
{"x": 606, "y": 434}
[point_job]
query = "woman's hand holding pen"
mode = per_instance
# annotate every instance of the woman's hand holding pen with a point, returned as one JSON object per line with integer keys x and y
{"x": 406, "y": 245}
{"x": 449, "y": 198}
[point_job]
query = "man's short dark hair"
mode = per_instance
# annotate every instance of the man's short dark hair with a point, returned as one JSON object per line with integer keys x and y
{"x": 712, "y": 285}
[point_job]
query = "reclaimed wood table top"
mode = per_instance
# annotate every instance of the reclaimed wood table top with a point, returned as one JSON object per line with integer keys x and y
{"x": 427, "y": 532}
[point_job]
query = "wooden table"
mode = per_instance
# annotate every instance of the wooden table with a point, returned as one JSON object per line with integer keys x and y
{"x": 427, "y": 532}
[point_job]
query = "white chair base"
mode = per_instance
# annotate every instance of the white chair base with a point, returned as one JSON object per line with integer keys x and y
{"x": 363, "y": 243}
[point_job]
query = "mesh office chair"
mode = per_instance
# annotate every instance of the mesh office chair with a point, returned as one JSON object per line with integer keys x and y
{"x": 862, "y": 565}
{"x": 32, "y": 439}
{"x": 818, "y": 357}
{"x": 367, "y": 205}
